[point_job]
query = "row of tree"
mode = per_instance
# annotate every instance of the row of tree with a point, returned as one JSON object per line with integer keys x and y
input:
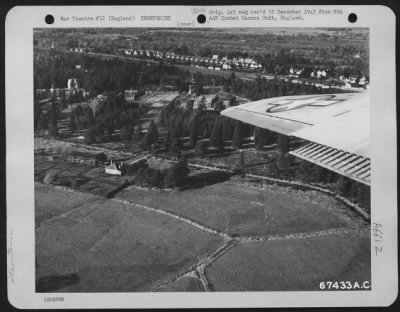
{"x": 175, "y": 176}
{"x": 290, "y": 168}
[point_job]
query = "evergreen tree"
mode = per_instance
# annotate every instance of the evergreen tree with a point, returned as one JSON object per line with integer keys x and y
{"x": 177, "y": 174}
{"x": 193, "y": 129}
{"x": 53, "y": 117}
{"x": 201, "y": 149}
{"x": 237, "y": 139}
{"x": 283, "y": 143}
{"x": 72, "y": 123}
{"x": 202, "y": 104}
{"x": 227, "y": 128}
{"x": 232, "y": 101}
{"x": 219, "y": 106}
{"x": 259, "y": 138}
{"x": 216, "y": 139}
{"x": 151, "y": 136}
{"x": 90, "y": 135}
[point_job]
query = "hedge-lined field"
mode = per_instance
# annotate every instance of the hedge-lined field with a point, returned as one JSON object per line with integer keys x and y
{"x": 238, "y": 209}
{"x": 97, "y": 244}
{"x": 293, "y": 264}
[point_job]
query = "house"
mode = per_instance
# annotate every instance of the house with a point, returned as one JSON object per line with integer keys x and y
{"x": 248, "y": 60}
{"x": 72, "y": 83}
{"x": 363, "y": 81}
{"x": 215, "y": 57}
{"x": 114, "y": 169}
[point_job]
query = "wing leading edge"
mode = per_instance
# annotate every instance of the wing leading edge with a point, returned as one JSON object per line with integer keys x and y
{"x": 336, "y": 124}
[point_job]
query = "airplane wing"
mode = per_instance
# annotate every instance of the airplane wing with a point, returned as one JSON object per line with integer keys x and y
{"x": 335, "y": 125}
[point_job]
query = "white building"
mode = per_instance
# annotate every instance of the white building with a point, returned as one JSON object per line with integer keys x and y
{"x": 72, "y": 83}
{"x": 114, "y": 169}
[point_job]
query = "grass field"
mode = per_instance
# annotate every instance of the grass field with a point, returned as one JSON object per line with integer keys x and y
{"x": 185, "y": 284}
{"x": 241, "y": 210}
{"x": 87, "y": 243}
{"x": 51, "y": 202}
{"x": 292, "y": 264}
{"x": 96, "y": 244}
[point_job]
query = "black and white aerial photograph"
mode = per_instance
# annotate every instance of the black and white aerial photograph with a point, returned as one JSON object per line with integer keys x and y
{"x": 201, "y": 159}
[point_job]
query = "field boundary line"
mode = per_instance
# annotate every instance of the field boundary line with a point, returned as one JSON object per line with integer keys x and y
{"x": 65, "y": 214}
{"x": 203, "y": 278}
{"x": 204, "y": 262}
{"x": 175, "y": 216}
{"x": 303, "y": 235}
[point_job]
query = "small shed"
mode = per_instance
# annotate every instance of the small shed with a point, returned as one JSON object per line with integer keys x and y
{"x": 114, "y": 169}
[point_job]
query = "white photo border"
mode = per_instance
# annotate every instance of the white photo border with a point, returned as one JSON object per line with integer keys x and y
{"x": 21, "y": 21}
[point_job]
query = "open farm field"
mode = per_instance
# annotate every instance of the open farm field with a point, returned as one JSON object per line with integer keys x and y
{"x": 94, "y": 244}
{"x": 292, "y": 264}
{"x": 51, "y": 202}
{"x": 240, "y": 210}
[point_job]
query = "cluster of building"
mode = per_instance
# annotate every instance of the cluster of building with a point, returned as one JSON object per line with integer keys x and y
{"x": 351, "y": 81}
{"x": 85, "y": 50}
{"x": 316, "y": 73}
{"x": 215, "y": 62}
{"x": 71, "y": 89}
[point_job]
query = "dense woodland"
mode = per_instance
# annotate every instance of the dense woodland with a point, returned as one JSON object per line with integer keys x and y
{"x": 206, "y": 129}
{"x": 101, "y": 75}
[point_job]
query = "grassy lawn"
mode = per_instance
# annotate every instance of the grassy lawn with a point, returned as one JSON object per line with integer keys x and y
{"x": 292, "y": 264}
{"x": 51, "y": 202}
{"x": 238, "y": 209}
{"x": 102, "y": 245}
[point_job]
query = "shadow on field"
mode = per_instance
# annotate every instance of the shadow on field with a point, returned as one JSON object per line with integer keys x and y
{"x": 54, "y": 282}
{"x": 204, "y": 179}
